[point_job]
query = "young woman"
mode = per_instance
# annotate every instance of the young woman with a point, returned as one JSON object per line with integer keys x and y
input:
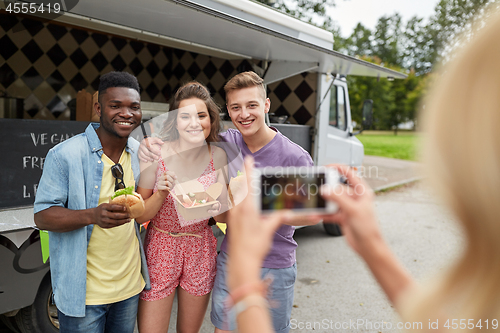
{"x": 181, "y": 255}
{"x": 463, "y": 162}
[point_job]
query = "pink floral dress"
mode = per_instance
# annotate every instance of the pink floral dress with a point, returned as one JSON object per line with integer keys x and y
{"x": 187, "y": 261}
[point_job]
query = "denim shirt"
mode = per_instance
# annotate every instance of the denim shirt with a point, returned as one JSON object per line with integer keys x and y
{"x": 71, "y": 178}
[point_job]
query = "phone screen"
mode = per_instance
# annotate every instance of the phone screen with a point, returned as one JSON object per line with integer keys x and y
{"x": 292, "y": 192}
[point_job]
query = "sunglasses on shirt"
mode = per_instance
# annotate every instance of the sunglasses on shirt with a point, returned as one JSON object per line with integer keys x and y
{"x": 117, "y": 172}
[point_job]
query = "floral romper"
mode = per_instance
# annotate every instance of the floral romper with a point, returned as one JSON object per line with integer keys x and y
{"x": 187, "y": 261}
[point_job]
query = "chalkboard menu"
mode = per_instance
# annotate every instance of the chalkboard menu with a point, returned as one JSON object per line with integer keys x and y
{"x": 23, "y": 148}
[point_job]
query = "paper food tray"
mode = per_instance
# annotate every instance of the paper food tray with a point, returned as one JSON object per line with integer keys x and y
{"x": 193, "y": 214}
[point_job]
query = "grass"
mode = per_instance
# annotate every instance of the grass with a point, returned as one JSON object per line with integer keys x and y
{"x": 384, "y": 143}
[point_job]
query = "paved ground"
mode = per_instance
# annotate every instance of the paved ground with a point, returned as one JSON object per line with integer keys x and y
{"x": 383, "y": 172}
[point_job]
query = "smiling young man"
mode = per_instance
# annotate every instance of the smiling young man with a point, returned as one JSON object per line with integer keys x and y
{"x": 95, "y": 248}
{"x": 247, "y": 105}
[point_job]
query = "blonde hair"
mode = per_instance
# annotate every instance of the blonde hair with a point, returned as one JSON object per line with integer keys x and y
{"x": 462, "y": 154}
{"x": 245, "y": 80}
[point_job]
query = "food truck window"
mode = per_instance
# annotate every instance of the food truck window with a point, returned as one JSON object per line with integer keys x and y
{"x": 338, "y": 116}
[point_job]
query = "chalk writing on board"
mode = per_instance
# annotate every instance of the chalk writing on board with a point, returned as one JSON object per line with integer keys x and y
{"x": 22, "y": 156}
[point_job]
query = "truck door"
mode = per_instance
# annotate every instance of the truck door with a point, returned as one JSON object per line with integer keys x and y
{"x": 334, "y": 144}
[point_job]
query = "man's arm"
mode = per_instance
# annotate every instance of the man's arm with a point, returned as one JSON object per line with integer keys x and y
{"x": 221, "y": 169}
{"x": 51, "y": 201}
{"x": 150, "y": 149}
{"x": 60, "y": 219}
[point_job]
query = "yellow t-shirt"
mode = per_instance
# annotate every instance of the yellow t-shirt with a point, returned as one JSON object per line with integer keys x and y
{"x": 113, "y": 257}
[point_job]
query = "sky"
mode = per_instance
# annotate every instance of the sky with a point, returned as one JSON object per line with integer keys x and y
{"x": 347, "y": 13}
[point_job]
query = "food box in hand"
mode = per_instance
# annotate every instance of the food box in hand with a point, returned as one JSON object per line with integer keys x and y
{"x": 201, "y": 201}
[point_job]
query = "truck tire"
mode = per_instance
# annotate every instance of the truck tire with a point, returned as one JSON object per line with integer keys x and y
{"x": 41, "y": 316}
{"x": 332, "y": 229}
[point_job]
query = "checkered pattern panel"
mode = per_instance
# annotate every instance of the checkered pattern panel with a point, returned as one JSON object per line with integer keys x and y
{"x": 46, "y": 64}
{"x": 295, "y": 98}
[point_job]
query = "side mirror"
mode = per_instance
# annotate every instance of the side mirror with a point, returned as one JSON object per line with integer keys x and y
{"x": 367, "y": 116}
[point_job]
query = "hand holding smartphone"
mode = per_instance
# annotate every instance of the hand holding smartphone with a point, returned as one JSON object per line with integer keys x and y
{"x": 294, "y": 188}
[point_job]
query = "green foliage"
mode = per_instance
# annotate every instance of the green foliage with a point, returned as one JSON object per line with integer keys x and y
{"x": 418, "y": 52}
{"x": 339, "y": 43}
{"x": 413, "y": 48}
{"x": 452, "y": 21}
{"x": 387, "y": 39}
{"x": 306, "y": 10}
{"x": 360, "y": 41}
{"x": 391, "y": 99}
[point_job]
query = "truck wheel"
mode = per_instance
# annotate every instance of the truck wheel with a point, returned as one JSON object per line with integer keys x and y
{"x": 41, "y": 316}
{"x": 332, "y": 229}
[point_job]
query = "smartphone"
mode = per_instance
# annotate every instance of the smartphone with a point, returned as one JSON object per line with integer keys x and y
{"x": 293, "y": 188}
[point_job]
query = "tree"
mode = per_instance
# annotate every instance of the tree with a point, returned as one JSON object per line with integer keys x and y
{"x": 340, "y": 43}
{"x": 454, "y": 21}
{"x": 403, "y": 111}
{"x": 380, "y": 91}
{"x": 312, "y": 11}
{"x": 360, "y": 41}
{"x": 394, "y": 102}
{"x": 414, "y": 98}
{"x": 387, "y": 40}
{"x": 418, "y": 53}
{"x": 414, "y": 47}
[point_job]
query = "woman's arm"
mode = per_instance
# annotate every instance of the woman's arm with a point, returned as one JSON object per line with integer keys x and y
{"x": 250, "y": 241}
{"x": 147, "y": 178}
{"x": 153, "y": 202}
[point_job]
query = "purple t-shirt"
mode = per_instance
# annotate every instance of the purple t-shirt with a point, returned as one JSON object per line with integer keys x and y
{"x": 279, "y": 152}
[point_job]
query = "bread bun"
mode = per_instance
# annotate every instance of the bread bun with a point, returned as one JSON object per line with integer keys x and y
{"x": 133, "y": 202}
